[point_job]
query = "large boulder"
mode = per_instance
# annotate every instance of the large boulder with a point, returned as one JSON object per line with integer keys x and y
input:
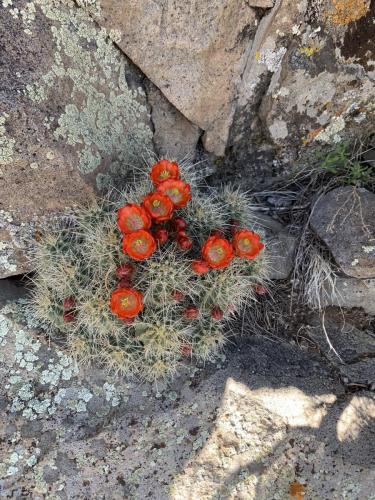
{"x": 193, "y": 51}
{"x": 344, "y": 219}
{"x": 255, "y": 74}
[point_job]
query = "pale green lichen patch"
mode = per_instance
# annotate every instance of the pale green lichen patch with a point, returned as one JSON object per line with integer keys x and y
{"x": 111, "y": 394}
{"x": 41, "y": 381}
{"x": 104, "y": 118}
{"x": 4, "y": 329}
{"x": 6, "y": 143}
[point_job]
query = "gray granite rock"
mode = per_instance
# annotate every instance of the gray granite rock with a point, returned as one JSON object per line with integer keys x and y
{"x": 344, "y": 219}
{"x": 352, "y": 292}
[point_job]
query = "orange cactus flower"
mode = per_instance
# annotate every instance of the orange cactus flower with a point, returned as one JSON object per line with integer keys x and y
{"x": 163, "y": 170}
{"x": 178, "y": 191}
{"x": 126, "y": 302}
{"x": 158, "y": 206}
{"x": 247, "y": 244}
{"x": 217, "y": 252}
{"x": 132, "y": 218}
{"x": 139, "y": 245}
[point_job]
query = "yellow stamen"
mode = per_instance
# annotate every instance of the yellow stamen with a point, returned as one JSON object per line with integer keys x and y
{"x": 125, "y": 302}
{"x": 156, "y": 203}
{"x": 164, "y": 174}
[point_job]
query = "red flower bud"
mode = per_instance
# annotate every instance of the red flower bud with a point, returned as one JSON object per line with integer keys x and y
{"x": 177, "y": 295}
{"x": 191, "y": 312}
{"x": 124, "y": 283}
{"x": 125, "y": 271}
{"x": 200, "y": 266}
{"x": 234, "y": 226}
{"x": 179, "y": 224}
{"x": 217, "y": 313}
{"x": 127, "y": 321}
{"x": 186, "y": 349}
{"x": 184, "y": 242}
{"x": 260, "y": 289}
{"x": 69, "y": 302}
{"x": 69, "y": 316}
{"x": 161, "y": 235}
{"x": 180, "y": 234}
{"x": 218, "y": 232}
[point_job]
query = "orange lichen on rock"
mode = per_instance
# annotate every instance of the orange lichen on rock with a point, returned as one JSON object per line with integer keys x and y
{"x": 297, "y": 490}
{"x": 311, "y": 135}
{"x": 347, "y": 11}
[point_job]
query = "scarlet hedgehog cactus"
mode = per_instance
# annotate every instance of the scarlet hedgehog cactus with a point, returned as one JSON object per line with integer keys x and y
{"x": 151, "y": 278}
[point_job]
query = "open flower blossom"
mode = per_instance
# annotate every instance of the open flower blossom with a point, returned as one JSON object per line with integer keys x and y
{"x": 178, "y": 191}
{"x": 126, "y": 302}
{"x": 163, "y": 170}
{"x": 217, "y": 252}
{"x": 132, "y": 218}
{"x": 139, "y": 245}
{"x": 247, "y": 244}
{"x": 158, "y": 206}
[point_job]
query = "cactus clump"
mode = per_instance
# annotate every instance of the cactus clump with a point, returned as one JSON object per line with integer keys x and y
{"x": 144, "y": 279}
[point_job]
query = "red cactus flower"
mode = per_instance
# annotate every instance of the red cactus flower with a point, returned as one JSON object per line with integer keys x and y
{"x": 158, "y": 206}
{"x": 161, "y": 235}
{"x": 191, "y": 312}
{"x": 217, "y": 313}
{"x": 69, "y": 316}
{"x": 200, "y": 266}
{"x": 186, "y": 348}
{"x": 132, "y": 218}
{"x": 184, "y": 242}
{"x": 163, "y": 170}
{"x": 178, "y": 191}
{"x": 139, "y": 245}
{"x": 177, "y": 295}
{"x": 125, "y": 271}
{"x": 179, "y": 224}
{"x": 247, "y": 244}
{"x": 69, "y": 302}
{"x": 217, "y": 252}
{"x": 126, "y": 302}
